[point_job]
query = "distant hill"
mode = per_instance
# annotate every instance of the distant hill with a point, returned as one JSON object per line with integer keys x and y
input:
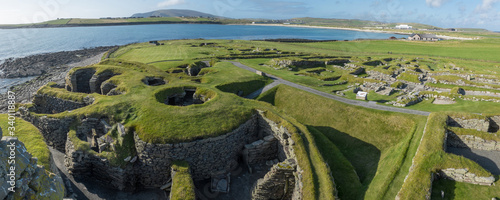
{"x": 175, "y": 13}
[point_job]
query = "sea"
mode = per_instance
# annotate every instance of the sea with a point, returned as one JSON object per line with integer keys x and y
{"x": 16, "y": 43}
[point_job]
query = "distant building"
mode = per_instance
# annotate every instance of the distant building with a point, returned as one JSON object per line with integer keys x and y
{"x": 423, "y": 37}
{"x": 403, "y": 26}
{"x": 361, "y": 95}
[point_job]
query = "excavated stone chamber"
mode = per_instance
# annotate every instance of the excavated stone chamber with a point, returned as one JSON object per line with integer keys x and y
{"x": 184, "y": 96}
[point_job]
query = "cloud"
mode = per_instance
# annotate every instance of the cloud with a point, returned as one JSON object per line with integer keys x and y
{"x": 435, "y": 3}
{"x": 171, "y": 3}
{"x": 486, "y": 5}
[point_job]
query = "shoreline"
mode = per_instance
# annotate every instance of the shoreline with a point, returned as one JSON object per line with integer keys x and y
{"x": 445, "y": 37}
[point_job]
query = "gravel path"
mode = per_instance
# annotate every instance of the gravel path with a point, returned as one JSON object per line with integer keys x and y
{"x": 365, "y": 104}
{"x": 490, "y": 160}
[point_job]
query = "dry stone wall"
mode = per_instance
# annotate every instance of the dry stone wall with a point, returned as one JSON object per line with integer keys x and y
{"x": 207, "y": 157}
{"x": 51, "y": 105}
{"x": 54, "y": 130}
{"x": 472, "y": 142}
{"x": 86, "y": 164}
{"x": 478, "y": 124}
{"x": 278, "y": 183}
{"x": 463, "y": 175}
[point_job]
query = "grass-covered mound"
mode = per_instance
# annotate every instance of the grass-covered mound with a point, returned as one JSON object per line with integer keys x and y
{"x": 31, "y": 137}
{"x": 182, "y": 183}
{"x": 368, "y": 151}
{"x": 431, "y": 157}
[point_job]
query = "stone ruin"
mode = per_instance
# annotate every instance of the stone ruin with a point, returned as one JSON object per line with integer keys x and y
{"x": 259, "y": 141}
{"x": 187, "y": 97}
{"x": 85, "y": 80}
{"x": 470, "y": 142}
{"x": 153, "y": 81}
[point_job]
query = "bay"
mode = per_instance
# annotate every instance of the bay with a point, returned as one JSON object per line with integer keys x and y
{"x": 24, "y": 42}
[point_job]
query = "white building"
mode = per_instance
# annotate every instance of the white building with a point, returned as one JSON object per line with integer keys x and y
{"x": 403, "y": 26}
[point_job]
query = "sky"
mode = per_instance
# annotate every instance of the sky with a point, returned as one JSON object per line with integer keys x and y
{"x": 441, "y": 13}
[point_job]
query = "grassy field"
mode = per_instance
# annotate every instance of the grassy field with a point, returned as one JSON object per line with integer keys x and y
{"x": 31, "y": 137}
{"x": 182, "y": 183}
{"x": 340, "y": 132}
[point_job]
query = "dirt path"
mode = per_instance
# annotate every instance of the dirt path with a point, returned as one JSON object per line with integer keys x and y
{"x": 365, "y": 104}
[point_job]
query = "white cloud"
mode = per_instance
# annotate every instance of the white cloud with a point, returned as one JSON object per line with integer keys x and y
{"x": 435, "y": 3}
{"x": 486, "y": 5}
{"x": 171, "y": 3}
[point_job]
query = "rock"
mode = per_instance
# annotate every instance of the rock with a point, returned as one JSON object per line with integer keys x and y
{"x": 102, "y": 147}
{"x": 166, "y": 186}
{"x": 222, "y": 185}
{"x": 127, "y": 159}
{"x": 1, "y": 132}
{"x": 257, "y": 143}
{"x": 133, "y": 159}
{"x": 121, "y": 130}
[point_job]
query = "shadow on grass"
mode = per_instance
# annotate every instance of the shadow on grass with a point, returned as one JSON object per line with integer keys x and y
{"x": 364, "y": 157}
{"x": 483, "y": 158}
{"x": 443, "y": 189}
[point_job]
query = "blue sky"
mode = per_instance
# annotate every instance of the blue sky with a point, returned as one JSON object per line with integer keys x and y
{"x": 442, "y": 13}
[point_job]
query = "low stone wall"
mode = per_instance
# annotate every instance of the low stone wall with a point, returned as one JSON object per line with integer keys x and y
{"x": 32, "y": 181}
{"x": 471, "y": 141}
{"x": 478, "y": 124}
{"x": 277, "y": 183}
{"x": 51, "y": 105}
{"x": 463, "y": 175}
{"x": 54, "y": 130}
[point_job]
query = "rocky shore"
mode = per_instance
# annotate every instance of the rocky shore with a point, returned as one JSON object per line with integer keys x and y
{"x": 50, "y": 67}
{"x": 40, "y": 64}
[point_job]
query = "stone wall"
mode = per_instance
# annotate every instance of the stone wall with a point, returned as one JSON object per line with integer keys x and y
{"x": 463, "y": 175}
{"x": 32, "y": 181}
{"x": 261, "y": 150}
{"x": 54, "y": 130}
{"x": 471, "y": 141}
{"x": 51, "y": 105}
{"x": 478, "y": 124}
{"x": 85, "y": 164}
{"x": 279, "y": 183}
{"x": 273, "y": 184}
{"x": 207, "y": 157}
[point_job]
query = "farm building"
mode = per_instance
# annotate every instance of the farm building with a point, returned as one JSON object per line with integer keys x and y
{"x": 403, "y": 26}
{"x": 424, "y": 37}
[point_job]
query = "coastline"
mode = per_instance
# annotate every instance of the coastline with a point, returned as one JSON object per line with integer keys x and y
{"x": 445, "y": 37}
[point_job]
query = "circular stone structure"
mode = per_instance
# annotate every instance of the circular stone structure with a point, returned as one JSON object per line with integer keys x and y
{"x": 184, "y": 96}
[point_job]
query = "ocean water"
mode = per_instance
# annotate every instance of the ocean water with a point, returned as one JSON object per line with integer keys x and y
{"x": 24, "y": 42}
{"x": 16, "y": 43}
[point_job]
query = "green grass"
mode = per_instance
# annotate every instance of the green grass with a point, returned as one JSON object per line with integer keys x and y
{"x": 31, "y": 137}
{"x": 377, "y": 157}
{"x": 411, "y": 77}
{"x": 463, "y": 191}
{"x": 182, "y": 184}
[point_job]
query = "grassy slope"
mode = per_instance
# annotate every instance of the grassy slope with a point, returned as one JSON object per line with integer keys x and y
{"x": 372, "y": 155}
{"x": 31, "y": 137}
